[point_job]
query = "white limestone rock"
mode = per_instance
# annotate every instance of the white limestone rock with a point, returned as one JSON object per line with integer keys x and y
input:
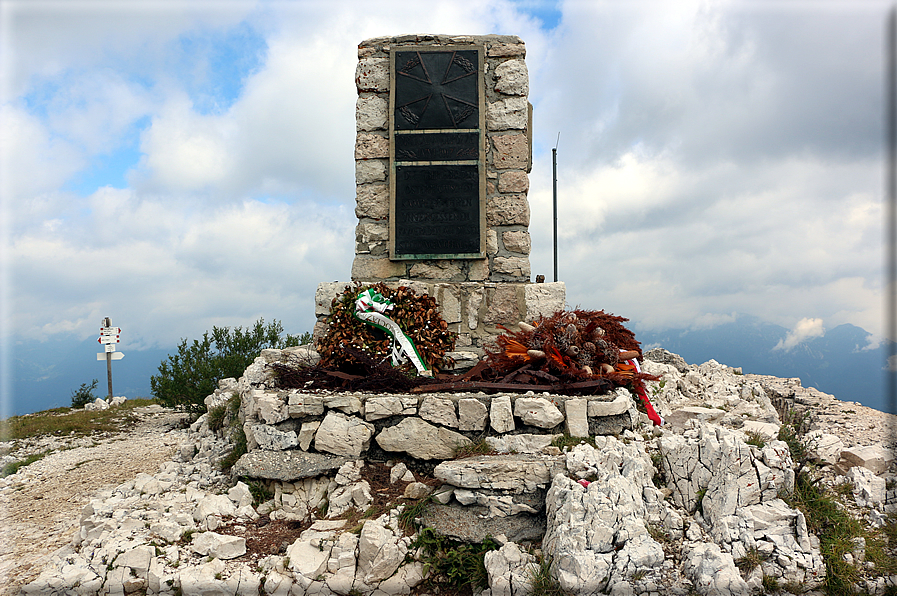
{"x": 420, "y": 439}
{"x": 596, "y": 535}
{"x": 537, "y": 411}
{"x": 380, "y": 551}
{"x": 301, "y": 405}
{"x": 510, "y": 570}
{"x": 343, "y": 435}
{"x": 220, "y": 546}
{"x": 501, "y": 417}
{"x": 307, "y": 434}
{"x": 824, "y": 447}
{"x": 271, "y": 409}
{"x": 512, "y": 78}
{"x": 872, "y": 457}
{"x": 376, "y": 408}
{"x": 310, "y": 553}
{"x": 513, "y": 473}
{"x": 713, "y": 572}
{"x": 439, "y": 410}
{"x": 577, "y": 423}
{"x": 472, "y": 414}
{"x": 869, "y": 490}
{"x": 522, "y": 443}
{"x": 268, "y": 437}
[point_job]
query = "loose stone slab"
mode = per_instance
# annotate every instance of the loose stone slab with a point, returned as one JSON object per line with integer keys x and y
{"x": 286, "y": 466}
{"x": 421, "y": 440}
{"x": 516, "y": 473}
{"x": 467, "y": 524}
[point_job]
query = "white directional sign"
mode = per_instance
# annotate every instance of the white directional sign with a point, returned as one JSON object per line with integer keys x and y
{"x": 114, "y": 355}
{"x": 110, "y": 347}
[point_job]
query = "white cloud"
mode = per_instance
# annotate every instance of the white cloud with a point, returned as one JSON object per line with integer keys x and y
{"x": 713, "y": 159}
{"x": 805, "y": 329}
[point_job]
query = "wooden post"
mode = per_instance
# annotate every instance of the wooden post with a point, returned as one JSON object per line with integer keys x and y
{"x": 107, "y": 322}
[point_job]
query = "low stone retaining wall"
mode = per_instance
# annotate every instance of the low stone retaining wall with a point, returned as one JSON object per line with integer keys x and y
{"x": 426, "y": 429}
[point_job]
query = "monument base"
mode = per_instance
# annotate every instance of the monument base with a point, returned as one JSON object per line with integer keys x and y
{"x": 472, "y": 309}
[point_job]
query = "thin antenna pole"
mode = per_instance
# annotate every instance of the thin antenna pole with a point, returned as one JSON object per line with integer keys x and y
{"x": 554, "y": 189}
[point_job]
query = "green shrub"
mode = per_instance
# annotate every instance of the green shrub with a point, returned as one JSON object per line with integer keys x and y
{"x": 185, "y": 379}
{"x": 451, "y": 563}
{"x": 84, "y": 395}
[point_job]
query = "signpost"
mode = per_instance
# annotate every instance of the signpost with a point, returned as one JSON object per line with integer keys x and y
{"x": 109, "y": 336}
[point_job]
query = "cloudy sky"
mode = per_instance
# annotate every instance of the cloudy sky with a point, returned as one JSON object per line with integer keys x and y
{"x": 178, "y": 165}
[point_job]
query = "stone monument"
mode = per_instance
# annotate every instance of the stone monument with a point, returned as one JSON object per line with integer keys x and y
{"x": 443, "y": 150}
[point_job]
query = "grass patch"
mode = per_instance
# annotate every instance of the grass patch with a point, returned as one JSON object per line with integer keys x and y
{"x": 410, "y": 514}
{"x": 756, "y": 439}
{"x": 750, "y": 561}
{"x": 13, "y": 467}
{"x": 541, "y": 581}
{"x": 68, "y": 421}
{"x": 449, "y": 563}
{"x": 240, "y": 448}
{"x": 259, "y": 490}
{"x": 216, "y": 417}
{"x": 770, "y": 584}
{"x": 568, "y": 441}
{"x": 480, "y": 447}
{"x": 699, "y": 500}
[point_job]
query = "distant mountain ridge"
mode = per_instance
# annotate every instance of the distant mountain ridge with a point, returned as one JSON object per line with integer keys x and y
{"x": 840, "y": 362}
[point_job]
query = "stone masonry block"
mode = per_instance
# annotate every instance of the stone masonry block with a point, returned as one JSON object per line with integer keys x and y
{"x": 479, "y": 270}
{"x": 371, "y": 170}
{"x": 371, "y": 113}
{"x": 449, "y": 298}
{"x": 437, "y": 270}
{"x": 516, "y": 241}
{"x": 511, "y": 151}
{"x": 508, "y": 210}
{"x": 544, "y": 299}
{"x": 503, "y": 305}
{"x": 372, "y": 200}
{"x": 512, "y": 78}
{"x": 371, "y": 237}
{"x": 372, "y": 74}
{"x": 506, "y": 49}
{"x": 507, "y": 114}
{"x": 325, "y": 294}
{"x": 371, "y": 146}
{"x": 512, "y": 266}
{"x": 513, "y": 181}
{"x": 375, "y": 269}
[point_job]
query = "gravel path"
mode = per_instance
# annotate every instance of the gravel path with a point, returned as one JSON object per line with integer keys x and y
{"x": 40, "y": 505}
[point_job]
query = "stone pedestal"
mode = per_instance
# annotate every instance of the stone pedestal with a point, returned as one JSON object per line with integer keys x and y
{"x": 473, "y": 310}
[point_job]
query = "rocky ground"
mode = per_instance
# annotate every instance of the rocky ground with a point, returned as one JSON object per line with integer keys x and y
{"x": 40, "y": 505}
{"x": 140, "y": 492}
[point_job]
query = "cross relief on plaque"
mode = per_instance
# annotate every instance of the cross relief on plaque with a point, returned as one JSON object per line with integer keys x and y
{"x": 436, "y": 134}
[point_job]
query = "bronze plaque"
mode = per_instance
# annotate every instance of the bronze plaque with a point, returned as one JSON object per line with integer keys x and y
{"x": 436, "y": 90}
{"x": 437, "y": 211}
{"x": 438, "y": 146}
{"x": 437, "y": 181}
